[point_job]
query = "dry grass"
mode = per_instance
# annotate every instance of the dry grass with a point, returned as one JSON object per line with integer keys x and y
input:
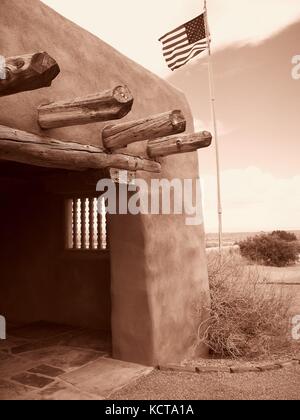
{"x": 247, "y": 318}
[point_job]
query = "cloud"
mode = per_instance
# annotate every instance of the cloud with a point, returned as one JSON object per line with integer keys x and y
{"x": 253, "y": 200}
{"x": 251, "y": 21}
{"x": 199, "y": 125}
{"x": 259, "y": 104}
{"x": 202, "y": 126}
{"x": 134, "y": 26}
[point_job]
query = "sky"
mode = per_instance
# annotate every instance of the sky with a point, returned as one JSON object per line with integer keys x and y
{"x": 134, "y": 26}
{"x": 257, "y": 100}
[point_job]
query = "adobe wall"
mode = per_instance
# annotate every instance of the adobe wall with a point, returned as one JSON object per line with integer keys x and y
{"x": 158, "y": 265}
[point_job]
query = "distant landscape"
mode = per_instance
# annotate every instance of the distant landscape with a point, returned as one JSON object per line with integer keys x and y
{"x": 230, "y": 239}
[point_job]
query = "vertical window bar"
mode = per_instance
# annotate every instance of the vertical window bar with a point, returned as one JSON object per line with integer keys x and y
{"x": 96, "y": 226}
{"x": 104, "y": 227}
{"x": 99, "y": 224}
{"x": 102, "y": 234}
{"x": 77, "y": 223}
{"x": 87, "y": 223}
{"x": 73, "y": 225}
{"x": 91, "y": 224}
{"x": 69, "y": 224}
{"x": 86, "y": 227}
{"x": 83, "y": 224}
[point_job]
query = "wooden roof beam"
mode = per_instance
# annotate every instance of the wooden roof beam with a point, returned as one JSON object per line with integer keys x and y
{"x": 178, "y": 144}
{"x": 20, "y": 146}
{"x": 112, "y": 104}
{"x": 121, "y": 135}
{"x": 27, "y": 72}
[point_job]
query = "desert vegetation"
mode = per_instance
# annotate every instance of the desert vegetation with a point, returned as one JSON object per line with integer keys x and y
{"x": 247, "y": 318}
{"x": 278, "y": 249}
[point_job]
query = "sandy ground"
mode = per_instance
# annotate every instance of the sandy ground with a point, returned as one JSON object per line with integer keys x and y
{"x": 289, "y": 275}
{"x": 285, "y": 280}
{"x": 277, "y": 385}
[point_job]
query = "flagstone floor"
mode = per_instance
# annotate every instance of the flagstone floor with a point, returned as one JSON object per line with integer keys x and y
{"x": 45, "y": 361}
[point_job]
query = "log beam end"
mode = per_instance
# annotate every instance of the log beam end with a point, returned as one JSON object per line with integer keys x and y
{"x": 204, "y": 140}
{"x": 103, "y": 106}
{"x": 125, "y": 99}
{"x": 28, "y": 72}
{"x": 46, "y": 67}
{"x": 178, "y": 144}
{"x": 178, "y": 121}
{"x": 118, "y": 136}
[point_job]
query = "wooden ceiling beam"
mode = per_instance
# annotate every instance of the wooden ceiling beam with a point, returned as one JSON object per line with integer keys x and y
{"x": 121, "y": 135}
{"x": 172, "y": 145}
{"x": 112, "y": 104}
{"x": 27, "y": 72}
{"x": 32, "y": 149}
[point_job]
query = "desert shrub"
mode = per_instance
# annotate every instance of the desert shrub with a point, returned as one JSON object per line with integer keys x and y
{"x": 248, "y": 318}
{"x": 284, "y": 235}
{"x": 269, "y": 249}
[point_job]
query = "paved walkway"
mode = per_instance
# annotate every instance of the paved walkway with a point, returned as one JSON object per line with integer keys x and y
{"x": 52, "y": 362}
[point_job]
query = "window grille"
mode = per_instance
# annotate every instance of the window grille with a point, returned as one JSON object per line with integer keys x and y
{"x": 86, "y": 227}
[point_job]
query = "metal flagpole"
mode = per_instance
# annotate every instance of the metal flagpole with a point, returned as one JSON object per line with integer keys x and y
{"x": 215, "y": 127}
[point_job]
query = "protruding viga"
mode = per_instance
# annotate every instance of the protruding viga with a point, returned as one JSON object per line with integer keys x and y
{"x": 173, "y": 145}
{"x": 27, "y": 72}
{"x": 120, "y": 135}
{"x": 112, "y": 104}
{"x": 22, "y": 147}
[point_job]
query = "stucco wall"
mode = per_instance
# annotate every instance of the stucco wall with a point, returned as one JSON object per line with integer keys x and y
{"x": 158, "y": 264}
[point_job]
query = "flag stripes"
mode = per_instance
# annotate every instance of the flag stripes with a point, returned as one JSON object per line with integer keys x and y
{"x": 185, "y": 42}
{"x": 182, "y": 51}
{"x": 191, "y": 56}
{"x": 175, "y": 37}
{"x": 163, "y": 38}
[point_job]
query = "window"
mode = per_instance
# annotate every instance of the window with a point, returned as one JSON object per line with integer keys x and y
{"x": 86, "y": 227}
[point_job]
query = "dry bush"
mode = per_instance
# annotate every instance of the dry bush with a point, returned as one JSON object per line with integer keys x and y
{"x": 271, "y": 249}
{"x": 284, "y": 235}
{"x": 247, "y": 318}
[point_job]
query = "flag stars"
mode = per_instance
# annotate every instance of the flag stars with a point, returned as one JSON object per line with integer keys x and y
{"x": 195, "y": 29}
{"x": 184, "y": 43}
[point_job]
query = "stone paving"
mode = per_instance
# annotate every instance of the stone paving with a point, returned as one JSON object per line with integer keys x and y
{"x": 45, "y": 361}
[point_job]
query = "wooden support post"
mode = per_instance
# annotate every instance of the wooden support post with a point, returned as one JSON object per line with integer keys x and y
{"x": 105, "y": 106}
{"x": 31, "y": 149}
{"x": 28, "y": 72}
{"x": 120, "y": 135}
{"x": 178, "y": 144}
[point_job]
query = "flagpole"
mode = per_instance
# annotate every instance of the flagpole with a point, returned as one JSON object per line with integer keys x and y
{"x": 215, "y": 128}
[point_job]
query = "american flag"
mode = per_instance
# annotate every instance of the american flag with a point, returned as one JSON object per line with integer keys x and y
{"x": 185, "y": 42}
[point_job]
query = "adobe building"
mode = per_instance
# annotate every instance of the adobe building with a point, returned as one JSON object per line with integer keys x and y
{"x": 148, "y": 286}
